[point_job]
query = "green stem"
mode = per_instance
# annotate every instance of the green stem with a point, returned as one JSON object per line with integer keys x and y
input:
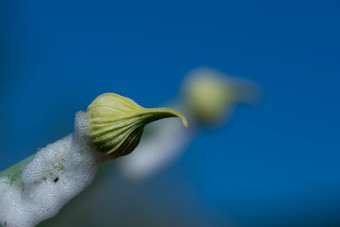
{"x": 14, "y": 172}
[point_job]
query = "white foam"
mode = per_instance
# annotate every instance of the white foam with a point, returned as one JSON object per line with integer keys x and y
{"x": 57, "y": 173}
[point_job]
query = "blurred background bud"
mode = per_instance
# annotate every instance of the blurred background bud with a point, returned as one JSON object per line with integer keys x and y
{"x": 210, "y": 95}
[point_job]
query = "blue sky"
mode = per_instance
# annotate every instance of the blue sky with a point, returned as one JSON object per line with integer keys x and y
{"x": 277, "y": 162}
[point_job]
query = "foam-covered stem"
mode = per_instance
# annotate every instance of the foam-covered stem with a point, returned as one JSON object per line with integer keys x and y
{"x": 38, "y": 187}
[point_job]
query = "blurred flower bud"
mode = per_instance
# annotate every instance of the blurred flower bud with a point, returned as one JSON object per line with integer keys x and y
{"x": 210, "y": 94}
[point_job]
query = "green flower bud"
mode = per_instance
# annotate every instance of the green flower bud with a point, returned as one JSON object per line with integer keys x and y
{"x": 117, "y": 123}
{"x": 210, "y": 95}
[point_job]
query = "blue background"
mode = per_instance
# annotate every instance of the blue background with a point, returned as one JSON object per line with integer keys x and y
{"x": 273, "y": 164}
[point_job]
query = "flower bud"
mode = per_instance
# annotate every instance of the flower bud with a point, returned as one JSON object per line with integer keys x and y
{"x": 211, "y": 95}
{"x": 117, "y": 123}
